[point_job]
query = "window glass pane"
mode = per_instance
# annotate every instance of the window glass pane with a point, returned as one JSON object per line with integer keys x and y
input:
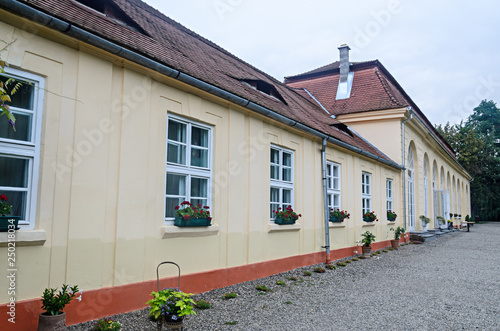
{"x": 170, "y": 204}
{"x": 287, "y": 174}
{"x": 176, "y": 153}
{"x": 287, "y": 196}
{"x": 336, "y": 201}
{"x": 176, "y": 185}
{"x": 335, "y": 171}
{"x": 202, "y": 202}
{"x": 199, "y": 137}
{"x": 275, "y": 156}
{"x": 199, "y": 187}
{"x": 275, "y": 172}
{"x": 13, "y": 172}
{"x": 287, "y": 159}
{"x": 18, "y": 202}
{"x": 199, "y": 157}
{"x": 23, "y": 98}
{"x": 274, "y": 206}
{"x": 336, "y": 183}
{"x": 176, "y": 131}
{"x": 275, "y": 194}
{"x": 23, "y": 127}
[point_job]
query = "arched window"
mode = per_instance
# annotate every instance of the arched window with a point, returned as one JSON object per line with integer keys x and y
{"x": 426, "y": 189}
{"x": 411, "y": 190}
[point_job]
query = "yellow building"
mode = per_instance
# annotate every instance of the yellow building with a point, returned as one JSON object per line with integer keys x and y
{"x": 127, "y": 114}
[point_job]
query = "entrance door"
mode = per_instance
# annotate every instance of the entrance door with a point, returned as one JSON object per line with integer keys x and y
{"x": 441, "y": 207}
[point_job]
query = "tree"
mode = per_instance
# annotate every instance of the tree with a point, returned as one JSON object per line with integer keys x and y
{"x": 476, "y": 147}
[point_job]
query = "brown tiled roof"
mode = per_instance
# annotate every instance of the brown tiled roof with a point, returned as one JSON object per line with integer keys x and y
{"x": 373, "y": 88}
{"x": 173, "y": 45}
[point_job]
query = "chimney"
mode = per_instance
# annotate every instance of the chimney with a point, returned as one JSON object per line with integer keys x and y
{"x": 345, "y": 80}
{"x": 344, "y": 62}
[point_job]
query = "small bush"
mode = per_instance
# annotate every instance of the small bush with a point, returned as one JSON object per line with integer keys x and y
{"x": 341, "y": 264}
{"x": 230, "y": 295}
{"x": 280, "y": 283}
{"x": 292, "y": 278}
{"x": 288, "y": 302}
{"x": 262, "y": 288}
{"x": 355, "y": 259}
{"x": 307, "y": 273}
{"x": 106, "y": 324}
{"x": 347, "y": 261}
{"x": 362, "y": 257}
{"x": 319, "y": 270}
{"x": 385, "y": 251}
{"x": 203, "y": 304}
{"x": 231, "y": 323}
{"x": 391, "y": 249}
{"x": 330, "y": 266}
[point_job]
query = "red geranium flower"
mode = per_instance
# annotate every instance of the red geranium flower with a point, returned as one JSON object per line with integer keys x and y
{"x": 3, "y": 197}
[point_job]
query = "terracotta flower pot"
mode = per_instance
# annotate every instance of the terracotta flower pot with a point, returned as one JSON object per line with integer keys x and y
{"x": 395, "y": 243}
{"x": 366, "y": 249}
{"x": 52, "y": 322}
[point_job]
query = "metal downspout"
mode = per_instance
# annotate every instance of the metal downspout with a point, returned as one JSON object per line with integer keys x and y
{"x": 325, "y": 199}
{"x": 404, "y": 166}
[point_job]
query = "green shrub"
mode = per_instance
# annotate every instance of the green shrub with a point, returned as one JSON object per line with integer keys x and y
{"x": 230, "y": 295}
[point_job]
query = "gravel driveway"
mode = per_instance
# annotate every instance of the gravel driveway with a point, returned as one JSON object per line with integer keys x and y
{"x": 451, "y": 283}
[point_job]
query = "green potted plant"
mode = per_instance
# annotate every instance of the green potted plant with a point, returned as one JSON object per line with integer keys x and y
{"x": 368, "y": 239}
{"x": 441, "y": 220}
{"x": 7, "y": 222}
{"x": 286, "y": 216}
{"x": 425, "y": 221}
{"x": 370, "y": 216}
{"x": 171, "y": 305}
{"x": 391, "y": 216}
{"x": 53, "y": 302}
{"x": 189, "y": 215}
{"x": 397, "y": 234}
{"x": 338, "y": 216}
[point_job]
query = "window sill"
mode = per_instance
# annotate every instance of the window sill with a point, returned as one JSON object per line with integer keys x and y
{"x": 336, "y": 225}
{"x": 25, "y": 238}
{"x": 368, "y": 224}
{"x": 391, "y": 222}
{"x": 172, "y": 231}
{"x": 272, "y": 227}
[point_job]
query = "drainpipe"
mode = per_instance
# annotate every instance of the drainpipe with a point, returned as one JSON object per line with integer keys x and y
{"x": 325, "y": 196}
{"x": 404, "y": 165}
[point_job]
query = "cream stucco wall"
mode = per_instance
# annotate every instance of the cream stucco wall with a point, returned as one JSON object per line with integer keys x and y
{"x": 101, "y": 188}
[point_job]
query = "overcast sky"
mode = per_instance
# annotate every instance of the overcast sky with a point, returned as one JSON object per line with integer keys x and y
{"x": 445, "y": 54}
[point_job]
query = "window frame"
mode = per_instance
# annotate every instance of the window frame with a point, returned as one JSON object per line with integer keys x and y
{"x": 29, "y": 150}
{"x": 333, "y": 191}
{"x": 366, "y": 192}
{"x": 279, "y": 183}
{"x": 188, "y": 170}
{"x": 389, "y": 191}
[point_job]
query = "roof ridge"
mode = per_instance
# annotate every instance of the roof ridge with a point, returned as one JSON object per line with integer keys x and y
{"x": 386, "y": 88}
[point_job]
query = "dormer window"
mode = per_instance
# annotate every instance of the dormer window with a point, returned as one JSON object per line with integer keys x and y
{"x": 342, "y": 127}
{"x": 112, "y": 11}
{"x": 264, "y": 87}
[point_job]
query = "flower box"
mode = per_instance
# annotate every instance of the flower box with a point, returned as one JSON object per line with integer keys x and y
{"x": 335, "y": 219}
{"x": 192, "y": 222}
{"x": 282, "y": 221}
{"x": 390, "y": 219}
{"x": 367, "y": 219}
{"x": 5, "y": 221}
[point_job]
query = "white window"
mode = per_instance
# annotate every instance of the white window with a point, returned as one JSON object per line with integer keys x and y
{"x": 281, "y": 179}
{"x": 20, "y": 149}
{"x": 426, "y": 188}
{"x": 333, "y": 185}
{"x": 189, "y": 164}
{"x": 389, "y": 194}
{"x": 366, "y": 192}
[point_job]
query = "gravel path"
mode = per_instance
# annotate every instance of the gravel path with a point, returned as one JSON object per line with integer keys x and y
{"x": 451, "y": 283}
